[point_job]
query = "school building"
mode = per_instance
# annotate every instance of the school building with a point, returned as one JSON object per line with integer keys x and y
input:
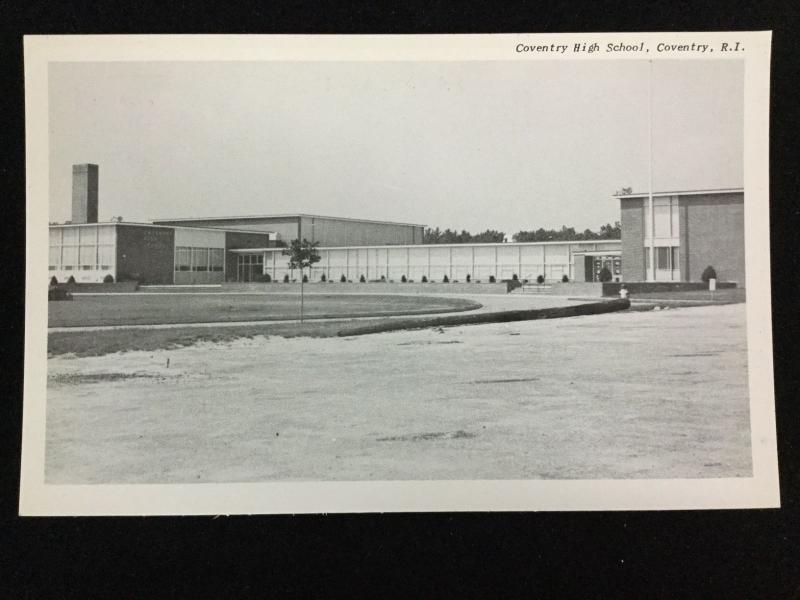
{"x": 671, "y": 236}
{"x": 675, "y": 235}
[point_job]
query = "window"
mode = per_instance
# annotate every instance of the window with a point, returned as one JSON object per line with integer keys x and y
{"x": 666, "y": 218}
{"x": 663, "y": 258}
{"x": 662, "y": 221}
{"x": 70, "y": 236}
{"x": 200, "y": 259}
{"x": 105, "y": 234}
{"x": 667, "y": 258}
{"x": 87, "y": 256}
{"x": 88, "y": 235}
{"x": 70, "y": 256}
{"x": 55, "y": 255}
{"x": 183, "y": 259}
{"x": 675, "y": 218}
{"x": 105, "y": 255}
{"x": 216, "y": 259}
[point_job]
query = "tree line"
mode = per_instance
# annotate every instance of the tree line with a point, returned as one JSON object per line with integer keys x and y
{"x": 565, "y": 234}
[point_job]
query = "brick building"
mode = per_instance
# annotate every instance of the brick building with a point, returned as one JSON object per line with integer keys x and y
{"x": 681, "y": 234}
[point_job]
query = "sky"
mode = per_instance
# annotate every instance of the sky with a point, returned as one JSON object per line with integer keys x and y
{"x": 467, "y": 145}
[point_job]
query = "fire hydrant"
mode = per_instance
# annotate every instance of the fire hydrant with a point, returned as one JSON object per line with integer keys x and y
{"x": 623, "y": 292}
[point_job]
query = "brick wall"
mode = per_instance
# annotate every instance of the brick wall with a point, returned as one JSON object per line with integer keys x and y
{"x": 714, "y": 235}
{"x": 632, "y": 221}
{"x": 145, "y": 253}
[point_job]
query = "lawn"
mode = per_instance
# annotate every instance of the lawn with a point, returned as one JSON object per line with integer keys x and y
{"x": 97, "y": 343}
{"x": 145, "y": 309}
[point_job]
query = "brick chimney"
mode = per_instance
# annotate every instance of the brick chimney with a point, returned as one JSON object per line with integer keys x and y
{"x": 84, "y": 193}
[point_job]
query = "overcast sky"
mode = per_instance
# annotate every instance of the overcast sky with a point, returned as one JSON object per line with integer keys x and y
{"x": 465, "y": 145}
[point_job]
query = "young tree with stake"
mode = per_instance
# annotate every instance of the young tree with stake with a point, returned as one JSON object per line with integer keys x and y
{"x": 302, "y": 255}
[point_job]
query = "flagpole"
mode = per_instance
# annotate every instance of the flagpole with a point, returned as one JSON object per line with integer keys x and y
{"x": 651, "y": 210}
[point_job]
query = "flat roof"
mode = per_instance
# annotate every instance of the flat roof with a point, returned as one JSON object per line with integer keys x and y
{"x": 468, "y": 244}
{"x": 682, "y": 193}
{"x": 287, "y": 216}
{"x": 135, "y": 224}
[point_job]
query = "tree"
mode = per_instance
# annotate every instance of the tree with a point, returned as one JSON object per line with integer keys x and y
{"x": 611, "y": 232}
{"x": 451, "y": 236}
{"x": 568, "y": 234}
{"x": 302, "y": 255}
{"x": 489, "y": 236}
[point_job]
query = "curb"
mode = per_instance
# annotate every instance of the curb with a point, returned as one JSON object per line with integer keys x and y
{"x": 594, "y": 308}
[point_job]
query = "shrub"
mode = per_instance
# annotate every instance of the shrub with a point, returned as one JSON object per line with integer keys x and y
{"x": 305, "y": 278}
{"x": 286, "y": 278}
{"x": 605, "y": 275}
{"x": 708, "y": 273}
{"x": 565, "y": 279}
{"x": 540, "y": 279}
{"x": 383, "y": 278}
{"x": 403, "y": 279}
{"x": 108, "y": 278}
{"x": 362, "y": 279}
{"x": 71, "y": 279}
{"x": 53, "y": 280}
{"x": 323, "y": 279}
{"x": 58, "y": 293}
{"x": 342, "y": 279}
{"x": 445, "y": 279}
{"x": 266, "y": 278}
{"x": 492, "y": 279}
{"x": 514, "y": 277}
{"x": 512, "y": 285}
{"x": 424, "y": 279}
{"x": 468, "y": 278}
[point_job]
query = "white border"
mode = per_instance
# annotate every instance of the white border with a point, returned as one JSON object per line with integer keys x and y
{"x": 38, "y": 498}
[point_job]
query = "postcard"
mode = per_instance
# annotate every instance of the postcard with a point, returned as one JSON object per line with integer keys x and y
{"x": 316, "y": 274}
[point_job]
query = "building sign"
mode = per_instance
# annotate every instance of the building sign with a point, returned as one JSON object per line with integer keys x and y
{"x": 157, "y": 239}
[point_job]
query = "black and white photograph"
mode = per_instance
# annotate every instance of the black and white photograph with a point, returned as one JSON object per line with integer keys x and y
{"x": 402, "y": 273}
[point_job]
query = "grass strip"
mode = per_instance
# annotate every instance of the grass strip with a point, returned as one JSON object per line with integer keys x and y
{"x": 592, "y": 308}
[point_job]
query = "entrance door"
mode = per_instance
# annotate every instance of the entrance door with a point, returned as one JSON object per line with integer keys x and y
{"x": 588, "y": 267}
{"x": 250, "y": 267}
{"x": 668, "y": 263}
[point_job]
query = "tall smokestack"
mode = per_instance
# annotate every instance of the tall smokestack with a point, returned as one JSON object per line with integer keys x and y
{"x": 84, "y": 193}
